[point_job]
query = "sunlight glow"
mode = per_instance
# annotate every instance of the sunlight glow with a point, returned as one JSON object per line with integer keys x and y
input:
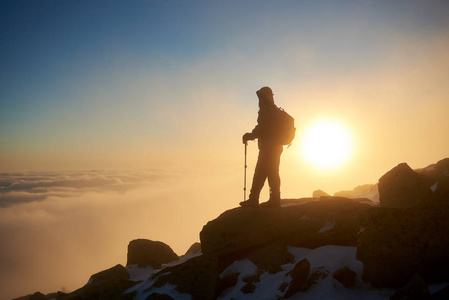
{"x": 326, "y": 144}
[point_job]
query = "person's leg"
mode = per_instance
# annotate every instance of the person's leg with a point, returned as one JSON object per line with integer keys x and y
{"x": 274, "y": 179}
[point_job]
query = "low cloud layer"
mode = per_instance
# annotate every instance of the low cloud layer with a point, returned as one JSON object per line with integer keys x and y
{"x": 16, "y": 188}
{"x": 57, "y": 229}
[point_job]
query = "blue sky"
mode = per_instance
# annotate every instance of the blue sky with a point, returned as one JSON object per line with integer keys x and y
{"x": 114, "y": 84}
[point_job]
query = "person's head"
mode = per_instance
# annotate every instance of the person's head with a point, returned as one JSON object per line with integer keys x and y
{"x": 265, "y": 95}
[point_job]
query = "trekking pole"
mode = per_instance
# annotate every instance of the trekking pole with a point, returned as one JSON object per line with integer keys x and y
{"x": 244, "y": 176}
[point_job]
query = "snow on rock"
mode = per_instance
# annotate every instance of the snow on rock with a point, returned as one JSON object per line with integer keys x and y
{"x": 327, "y": 227}
{"x": 326, "y": 259}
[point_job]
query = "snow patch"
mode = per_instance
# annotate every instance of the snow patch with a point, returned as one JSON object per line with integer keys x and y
{"x": 434, "y": 187}
{"x": 329, "y": 225}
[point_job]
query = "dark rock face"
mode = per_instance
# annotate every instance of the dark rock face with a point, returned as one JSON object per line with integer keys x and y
{"x": 116, "y": 273}
{"x": 394, "y": 244}
{"x": 435, "y": 172}
{"x": 156, "y": 296}
{"x": 415, "y": 289}
{"x": 271, "y": 257}
{"x": 108, "y": 284}
{"x": 144, "y": 253}
{"x": 299, "y": 276}
{"x": 442, "y": 190}
{"x": 345, "y": 276}
{"x": 329, "y": 221}
{"x": 403, "y": 187}
{"x": 197, "y": 276}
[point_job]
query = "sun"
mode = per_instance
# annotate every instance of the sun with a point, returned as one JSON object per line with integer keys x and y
{"x": 326, "y": 144}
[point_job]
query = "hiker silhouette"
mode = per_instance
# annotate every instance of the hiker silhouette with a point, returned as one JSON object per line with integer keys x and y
{"x": 270, "y": 150}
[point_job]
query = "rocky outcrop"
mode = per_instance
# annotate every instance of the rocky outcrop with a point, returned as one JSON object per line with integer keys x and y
{"x": 435, "y": 172}
{"x": 108, "y": 284}
{"x": 408, "y": 233}
{"x": 198, "y": 277}
{"x": 144, "y": 253}
{"x": 345, "y": 276}
{"x": 403, "y": 187}
{"x": 394, "y": 244}
{"x": 195, "y": 248}
{"x": 299, "y": 275}
{"x": 310, "y": 224}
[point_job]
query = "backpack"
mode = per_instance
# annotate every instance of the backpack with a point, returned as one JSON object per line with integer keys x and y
{"x": 285, "y": 127}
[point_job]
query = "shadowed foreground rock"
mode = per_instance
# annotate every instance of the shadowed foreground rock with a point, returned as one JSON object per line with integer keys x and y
{"x": 197, "y": 276}
{"x": 394, "y": 244}
{"x": 310, "y": 224}
{"x": 105, "y": 285}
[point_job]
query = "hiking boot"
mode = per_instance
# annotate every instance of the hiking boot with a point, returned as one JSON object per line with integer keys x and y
{"x": 249, "y": 203}
{"x": 271, "y": 204}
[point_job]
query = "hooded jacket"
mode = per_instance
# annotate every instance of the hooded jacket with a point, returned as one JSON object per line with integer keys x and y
{"x": 266, "y": 121}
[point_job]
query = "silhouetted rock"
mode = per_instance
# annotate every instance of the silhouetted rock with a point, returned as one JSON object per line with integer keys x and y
{"x": 108, "y": 284}
{"x": 442, "y": 190}
{"x": 197, "y": 276}
{"x": 227, "y": 281}
{"x": 299, "y": 276}
{"x": 195, "y": 248}
{"x": 157, "y": 296}
{"x": 38, "y": 296}
{"x": 415, "y": 289}
{"x": 116, "y": 273}
{"x": 435, "y": 172}
{"x": 328, "y": 221}
{"x": 316, "y": 275}
{"x": 271, "y": 257}
{"x": 144, "y": 253}
{"x": 319, "y": 193}
{"x": 442, "y": 294}
{"x": 345, "y": 276}
{"x": 248, "y": 288}
{"x": 403, "y": 187}
{"x": 395, "y": 243}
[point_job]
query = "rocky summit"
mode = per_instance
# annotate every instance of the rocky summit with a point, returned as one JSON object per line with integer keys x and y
{"x": 310, "y": 248}
{"x": 309, "y": 223}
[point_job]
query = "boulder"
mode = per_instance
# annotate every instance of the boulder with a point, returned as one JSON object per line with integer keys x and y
{"x": 394, "y": 244}
{"x": 144, "y": 253}
{"x": 271, "y": 257}
{"x": 299, "y": 276}
{"x": 345, "y": 276}
{"x": 311, "y": 224}
{"x": 403, "y": 187}
{"x": 197, "y": 276}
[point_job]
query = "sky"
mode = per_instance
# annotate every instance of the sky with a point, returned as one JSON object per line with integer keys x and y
{"x": 94, "y": 92}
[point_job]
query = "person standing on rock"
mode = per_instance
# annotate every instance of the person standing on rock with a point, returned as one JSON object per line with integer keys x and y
{"x": 270, "y": 150}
